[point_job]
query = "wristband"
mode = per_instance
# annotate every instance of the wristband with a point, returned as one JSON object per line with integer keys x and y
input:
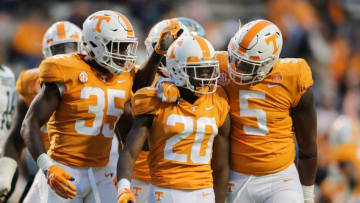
{"x": 308, "y": 192}
{"x": 122, "y": 184}
{"x": 44, "y": 162}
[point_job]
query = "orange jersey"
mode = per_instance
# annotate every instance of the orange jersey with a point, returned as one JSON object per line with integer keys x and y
{"x": 28, "y": 86}
{"x": 142, "y": 170}
{"x": 262, "y": 137}
{"x": 181, "y": 137}
{"x": 82, "y": 127}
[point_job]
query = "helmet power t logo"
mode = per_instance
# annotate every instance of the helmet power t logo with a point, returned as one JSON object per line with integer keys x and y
{"x": 100, "y": 20}
{"x": 272, "y": 39}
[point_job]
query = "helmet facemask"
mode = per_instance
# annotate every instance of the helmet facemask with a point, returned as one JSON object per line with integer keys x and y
{"x": 199, "y": 77}
{"x": 245, "y": 72}
{"x": 118, "y": 56}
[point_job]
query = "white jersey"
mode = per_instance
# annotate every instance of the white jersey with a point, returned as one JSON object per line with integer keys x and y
{"x": 7, "y": 104}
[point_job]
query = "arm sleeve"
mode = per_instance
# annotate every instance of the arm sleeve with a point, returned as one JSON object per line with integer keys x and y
{"x": 24, "y": 90}
{"x": 19, "y": 85}
{"x": 223, "y": 105}
{"x": 145, "y": 102}
{"x": 304, "y": 80}
{"x": 50, "y": 72}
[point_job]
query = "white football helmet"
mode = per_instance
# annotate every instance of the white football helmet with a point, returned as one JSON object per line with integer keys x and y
{"x": 60, "y": 38}
{"x": 193, "y": 26}
{"x": 155, "y": 32}
{"x": 343, "y": 131}
{"x": 191, "y": 64}
{"x": 110, "y": 39}
{"x": 253, "y": 51}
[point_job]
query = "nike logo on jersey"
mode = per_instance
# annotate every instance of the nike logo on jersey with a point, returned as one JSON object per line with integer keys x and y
{"x": 205, "y": 194}
{"x": 287, "y": 179}
{"x": 120, "y": 81}
{"x": 271, "y": 86}
{"x": 209, "y": 108}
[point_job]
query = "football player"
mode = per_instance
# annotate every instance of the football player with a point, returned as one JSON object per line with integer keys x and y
{"x": 181, "y": 137}
{"x": 84, "y": 96}
{"x": 60, "y": 38}
{"x": 140, "y": 182}
{"x": 7, "y": 110}
{"x": 270, "y": 100}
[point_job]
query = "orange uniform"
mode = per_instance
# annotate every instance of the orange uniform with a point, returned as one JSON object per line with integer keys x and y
{"x": 82, "y": 127}
{"x": 181, "y": 137}
{"x": 262, "y": 137}
{"x": 28, "y": 86}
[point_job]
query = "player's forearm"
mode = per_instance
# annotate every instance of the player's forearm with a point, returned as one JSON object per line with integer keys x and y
{"x": 30, "y": 132}
{"x": 14, "y": 145}
{"x": 125, "y": 166}
{"x": 145, "y": 76}
{"x": 307, "y": 166}
{"x": 221, "y": 177}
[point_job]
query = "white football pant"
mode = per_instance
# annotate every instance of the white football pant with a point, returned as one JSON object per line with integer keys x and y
{"x": 140, "y": 190}
{"x": 283, "y": 186}
{"x": 86, "y": 191}
{"x": 166, "y": 195}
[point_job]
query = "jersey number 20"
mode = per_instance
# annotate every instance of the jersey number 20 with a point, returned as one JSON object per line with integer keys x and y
{"x": 196, "y": 156}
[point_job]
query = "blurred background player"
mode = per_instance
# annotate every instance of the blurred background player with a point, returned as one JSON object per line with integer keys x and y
{"x": 181, "y": 136}
{"x": 7, "y": 111}
{"x": 85, "y": 96}
{"x": 262, "y": 147}
{"x": 343, "y": 181}
{"x": 194, "y": 27}
{"x": 62, "y": 37}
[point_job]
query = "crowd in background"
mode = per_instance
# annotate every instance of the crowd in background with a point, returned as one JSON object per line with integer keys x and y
{"x": 324, "y": 32}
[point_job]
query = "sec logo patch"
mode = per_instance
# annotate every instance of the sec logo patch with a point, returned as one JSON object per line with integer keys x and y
{"x": 83, "y": 77}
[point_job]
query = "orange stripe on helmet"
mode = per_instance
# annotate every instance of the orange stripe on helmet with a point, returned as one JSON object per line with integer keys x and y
{"x": 129, "y": 28}
{"x": 204, "y": 47}
{"x": 175, "y": 22}
{"x": 249, "y": 36}
{"x": 60, "y": 28}
{"x": 172, "y": 52}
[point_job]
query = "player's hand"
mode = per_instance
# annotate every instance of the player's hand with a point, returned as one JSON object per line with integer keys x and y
{"x": 126, "y": 196}
{"x": 167, "y": 91}
{"x": 7, "y": 171}
{"x": 58, "y": 178}
{"x": 168, "y": 35}
{"x": 308, "y": 192}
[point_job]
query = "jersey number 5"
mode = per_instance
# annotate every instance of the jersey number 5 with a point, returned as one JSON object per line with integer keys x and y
{"x": 196, "y": 156}
{"x": 260, "y": 114}
{"x": 98, "y": 110}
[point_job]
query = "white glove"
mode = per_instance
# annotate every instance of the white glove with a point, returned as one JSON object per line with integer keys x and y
{"x": 308, "y": 192}
{"x": 7, "y": 170}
